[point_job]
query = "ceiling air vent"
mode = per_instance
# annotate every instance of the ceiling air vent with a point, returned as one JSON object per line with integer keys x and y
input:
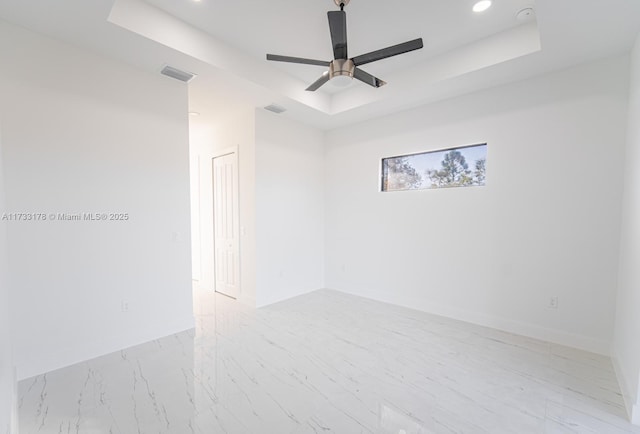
{"x": 275, "y": 108}
{"x": 172, "y": 72}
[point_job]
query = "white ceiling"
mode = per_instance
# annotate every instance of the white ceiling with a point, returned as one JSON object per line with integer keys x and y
{"x": 225, "y": 41}
{"x": 300, "y": 28}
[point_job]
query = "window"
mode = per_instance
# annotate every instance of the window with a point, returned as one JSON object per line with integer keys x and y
{"x": 463, "y": 166}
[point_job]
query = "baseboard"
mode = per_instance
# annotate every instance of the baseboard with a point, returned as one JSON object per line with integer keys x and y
{"x": 284, "y": 297}
{"x": 14, "y": 429}
{"x": 625, "y": 389}
{"x": 9, "y": 401}
{"x": 577, "y": 341}
{"x": 108, "y": 345}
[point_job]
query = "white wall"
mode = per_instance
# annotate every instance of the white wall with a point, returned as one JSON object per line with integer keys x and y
{"x": 545, "y": 224}
{"x": 82, "y": 133}
{"x": 281, "y": 201}
{"x": 289, "y": 208}
{"x": 7, "y": 370}
{"x": 209, "y": 137}
{"x": 626, "y": 345}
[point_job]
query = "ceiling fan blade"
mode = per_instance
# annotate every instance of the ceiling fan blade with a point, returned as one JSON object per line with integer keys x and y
{"x": 319, "y": 82}
{"x": 405, "y": 47}
{"x": 365, "y": 77}
{"x": 338, "y": 28}
{"x": 290, "y": 59}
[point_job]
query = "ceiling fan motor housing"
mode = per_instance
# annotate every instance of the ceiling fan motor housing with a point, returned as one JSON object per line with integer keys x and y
{"x": 341, "y": 67}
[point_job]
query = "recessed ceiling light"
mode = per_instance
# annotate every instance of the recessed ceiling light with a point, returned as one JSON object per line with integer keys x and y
{"x": 482, "y": 6}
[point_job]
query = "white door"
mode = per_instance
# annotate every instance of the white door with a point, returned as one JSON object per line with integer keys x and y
{"x": 226, "y": 224}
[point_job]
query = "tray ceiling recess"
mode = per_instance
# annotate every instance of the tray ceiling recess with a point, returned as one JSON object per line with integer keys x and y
{"x": 343, "y": 69}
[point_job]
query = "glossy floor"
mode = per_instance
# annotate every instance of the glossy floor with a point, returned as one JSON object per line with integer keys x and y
{"x": 328, "y": 362}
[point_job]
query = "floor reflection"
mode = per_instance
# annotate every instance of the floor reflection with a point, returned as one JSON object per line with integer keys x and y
{"x": 329, "y": 362}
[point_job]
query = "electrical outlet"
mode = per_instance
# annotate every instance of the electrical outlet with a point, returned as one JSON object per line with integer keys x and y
{"x": 553, "y": 302}
{"x": 124, "y": 306}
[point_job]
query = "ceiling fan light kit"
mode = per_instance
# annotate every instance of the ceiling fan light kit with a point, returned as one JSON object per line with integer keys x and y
{"x": 342, "y": 68}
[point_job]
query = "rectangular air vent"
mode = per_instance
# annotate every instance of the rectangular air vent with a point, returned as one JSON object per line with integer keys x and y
{"x": 172, "y": 72}
{"x": 275, "y": 108}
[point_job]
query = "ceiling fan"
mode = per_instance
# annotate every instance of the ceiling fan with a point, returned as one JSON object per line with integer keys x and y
{"x": 342, "y": 66}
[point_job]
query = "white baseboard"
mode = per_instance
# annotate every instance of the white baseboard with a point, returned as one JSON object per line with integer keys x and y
{"x": 524, "y": 329}
{"x": 101, "y": 346}
{"x": 632, "y": 410}
{"x": 14, "y": 429}
{"x": 283, "y": 297}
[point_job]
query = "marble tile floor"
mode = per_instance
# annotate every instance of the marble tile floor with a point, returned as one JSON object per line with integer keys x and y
{"x": 328, "y": 362}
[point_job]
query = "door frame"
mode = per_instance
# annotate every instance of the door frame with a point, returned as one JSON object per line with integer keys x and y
{"x": 221, "y": 153}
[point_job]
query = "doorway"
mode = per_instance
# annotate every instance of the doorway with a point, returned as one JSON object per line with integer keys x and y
{"x": 226, "y": 224}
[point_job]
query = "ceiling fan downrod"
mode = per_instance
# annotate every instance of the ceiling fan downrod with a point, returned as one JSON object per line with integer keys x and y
{"x": 341, "y": 3}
